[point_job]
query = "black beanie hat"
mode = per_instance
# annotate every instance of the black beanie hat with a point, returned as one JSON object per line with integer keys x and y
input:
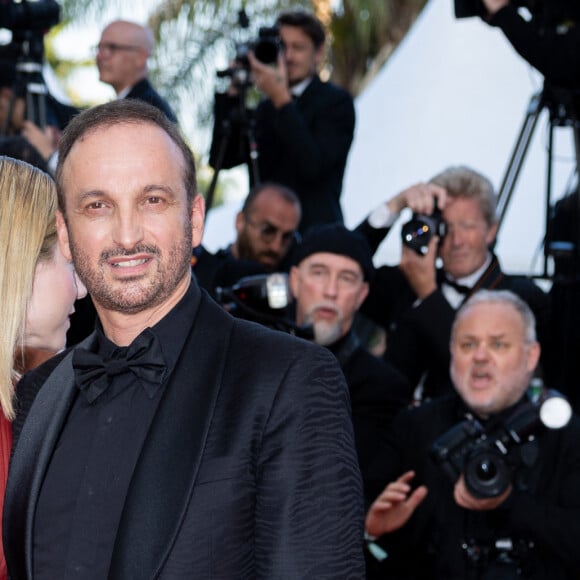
{"x": 336, "y": 239}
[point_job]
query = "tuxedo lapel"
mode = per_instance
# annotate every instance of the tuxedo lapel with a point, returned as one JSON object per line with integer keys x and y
{"x": 165, "y": 475}
{"x": 31, "y": 456}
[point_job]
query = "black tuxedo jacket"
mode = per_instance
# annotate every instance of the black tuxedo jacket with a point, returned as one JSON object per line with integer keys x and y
{"x": 144, "y": 91}
{"x": 248, "y": 471}
{"x": 303, "y": 145}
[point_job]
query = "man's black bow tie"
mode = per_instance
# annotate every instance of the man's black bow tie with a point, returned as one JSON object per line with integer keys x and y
{"x": 442, "y": 278}
{"x": 143, "y": 358}
{"x": 458, "y": 287}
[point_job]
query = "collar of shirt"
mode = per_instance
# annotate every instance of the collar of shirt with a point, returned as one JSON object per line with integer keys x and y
{"x": 298, "y": 89}
{"x": 123, "y": 93}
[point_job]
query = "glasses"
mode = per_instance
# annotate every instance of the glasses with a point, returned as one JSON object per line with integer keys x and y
{"x": 269, "y": 232}
{"x": 112, "y": 48}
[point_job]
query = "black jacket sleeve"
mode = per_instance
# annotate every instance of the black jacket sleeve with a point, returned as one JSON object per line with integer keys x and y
{"x": 555, "y": 53}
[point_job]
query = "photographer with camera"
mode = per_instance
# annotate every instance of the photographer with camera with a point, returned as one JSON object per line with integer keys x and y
{"x": 21, "y": 136}
{"x": 303, "y": 127}
{"x": 529, "y": 526}
{"x": 31, "y": 119}
{"x": 415, "y": 302}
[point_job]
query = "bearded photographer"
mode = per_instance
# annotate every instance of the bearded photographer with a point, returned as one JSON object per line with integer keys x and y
{"x": 549, "y": 41}
{"x": 415, "y": 301}
{"x": 303, "y": 126}
{"x": 434, "y": 527}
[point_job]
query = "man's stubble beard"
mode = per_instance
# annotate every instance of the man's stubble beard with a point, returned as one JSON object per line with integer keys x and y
{"x": 246, "y": 252}
{"x": 132, "y": 296}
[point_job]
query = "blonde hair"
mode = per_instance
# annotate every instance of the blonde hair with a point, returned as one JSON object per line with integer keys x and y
{"x": 28, "y": 204}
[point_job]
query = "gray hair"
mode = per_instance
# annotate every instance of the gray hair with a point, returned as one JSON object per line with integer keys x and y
{"x": 462, "y": 181}
{"x": 500, "y": 297}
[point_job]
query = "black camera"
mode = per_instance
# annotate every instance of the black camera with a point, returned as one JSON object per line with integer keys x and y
{"x": 468, "y": 8}
{"x": 483, "y": 456}
{"x": 26, "y": 16}
{"x": 265, "y": 48}
{"x": 418, "y": 231}
{"x": 262, "y": 298}
{"x": 265, "y": 293}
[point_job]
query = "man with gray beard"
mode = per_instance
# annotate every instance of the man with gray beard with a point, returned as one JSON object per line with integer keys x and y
{"x": 330, "y": 280}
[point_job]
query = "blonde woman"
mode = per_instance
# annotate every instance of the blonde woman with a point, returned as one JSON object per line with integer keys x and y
{"x": 37, "y": 288}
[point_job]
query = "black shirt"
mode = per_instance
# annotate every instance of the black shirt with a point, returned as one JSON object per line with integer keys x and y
{"x": 88, "y": 479}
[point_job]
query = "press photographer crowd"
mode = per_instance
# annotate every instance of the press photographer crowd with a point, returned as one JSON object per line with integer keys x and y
{"x": 284, "y": 407}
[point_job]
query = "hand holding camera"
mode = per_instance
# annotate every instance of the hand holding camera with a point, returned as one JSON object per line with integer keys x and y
{"x": 465, "y": 499}
{"x": 421, "y": 198}
{"x": 271, "y": 80}
{"x": 420, "y": 269}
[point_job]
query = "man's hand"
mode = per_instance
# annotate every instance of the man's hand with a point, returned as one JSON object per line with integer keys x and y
{"x": 420, "y": 271}
{"x": 420, "y": 198}
{"x": 272, "y": 81}
{"x": 45, "y": 141}
{"x": 465, "y": 500}
{"x": 393, "y": 508}
{"x": 492, "y": 6}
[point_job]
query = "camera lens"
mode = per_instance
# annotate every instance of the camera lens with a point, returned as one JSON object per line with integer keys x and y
{"x": 486, "y": 470}
{"x": 417, "y": 233}
{"x": 486, "y": 473}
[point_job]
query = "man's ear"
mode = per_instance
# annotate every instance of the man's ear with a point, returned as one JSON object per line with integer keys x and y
{"x": 533, "y": 356}
{"x": 63, "y": 238}
{"x": 491, "y": 234}
{"x": 293, "y": 281}
{"x": 197, "y": 217}
{"x": 319, "y": 55}
{"x": 240, "y": 222}
{"x": 364, "y": 292}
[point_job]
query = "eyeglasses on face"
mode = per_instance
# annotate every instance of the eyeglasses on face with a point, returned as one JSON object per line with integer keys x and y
{"x": 112, "y": 48}
{"x": 269, "y": 232}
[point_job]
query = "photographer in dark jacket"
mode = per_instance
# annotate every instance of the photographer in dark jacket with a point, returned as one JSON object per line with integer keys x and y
{"x": 434, "y": 528}
{"x": 415, "y": 302}
{"x": 303, "y": 128}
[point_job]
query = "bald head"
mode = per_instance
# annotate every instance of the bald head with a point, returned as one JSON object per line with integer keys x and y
{"x": 123, "y": 52}
{"x": 133, "y": 34}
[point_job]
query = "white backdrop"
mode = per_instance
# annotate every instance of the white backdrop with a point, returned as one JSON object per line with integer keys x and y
{"x": 455, "y": 92}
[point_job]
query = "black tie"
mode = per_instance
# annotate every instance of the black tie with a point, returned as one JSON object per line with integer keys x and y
{"x": 143, "y": 358}
{"x": 442, "y": 278}
{"x": 459, "y": 287}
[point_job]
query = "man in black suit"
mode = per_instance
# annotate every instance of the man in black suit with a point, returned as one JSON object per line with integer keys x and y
{"x": 416, "y": 301}
{"x": 175, "y": 441}
{"x": 122, "y": 55}
{"x": 330, "y": 280}
{"x": 304, "y": 127}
